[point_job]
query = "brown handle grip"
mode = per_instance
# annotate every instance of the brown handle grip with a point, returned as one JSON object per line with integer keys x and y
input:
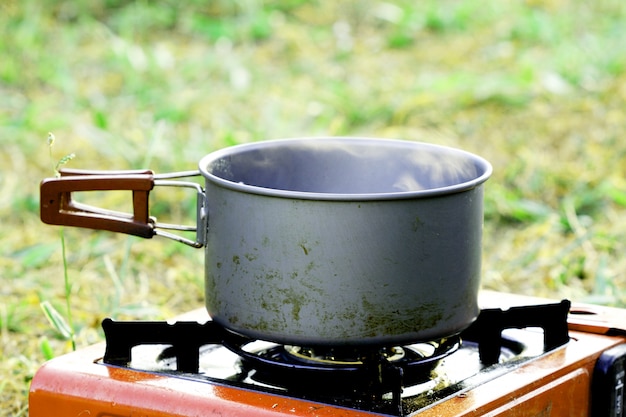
{"x": 58, "y": 208}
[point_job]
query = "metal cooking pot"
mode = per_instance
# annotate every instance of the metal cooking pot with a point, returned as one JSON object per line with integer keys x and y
{"x": 320, "y": 241}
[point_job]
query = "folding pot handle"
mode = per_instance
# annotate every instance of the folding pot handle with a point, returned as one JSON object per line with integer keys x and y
{"x": 58, "y": 208}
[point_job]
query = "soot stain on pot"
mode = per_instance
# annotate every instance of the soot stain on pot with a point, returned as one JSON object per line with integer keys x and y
{"x": 307, "y": 247}
{"x": 417, "y": 223}
{"x": 419, "y": 318}
{"x": 279, "y": 300}
{"x": 250, "y": 257}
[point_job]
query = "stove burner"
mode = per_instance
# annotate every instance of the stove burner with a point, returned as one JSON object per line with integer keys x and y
{"x": 333, "y": 371}
{"x": 338, "y": 356}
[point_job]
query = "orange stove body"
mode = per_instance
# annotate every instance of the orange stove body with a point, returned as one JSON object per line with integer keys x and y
{"x": 556, "y": 384}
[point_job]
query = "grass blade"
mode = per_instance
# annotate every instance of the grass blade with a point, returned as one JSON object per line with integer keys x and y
{"x": 57, "y": 321}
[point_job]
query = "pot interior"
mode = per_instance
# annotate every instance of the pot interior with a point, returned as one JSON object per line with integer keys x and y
{"x": 345, "y": 167}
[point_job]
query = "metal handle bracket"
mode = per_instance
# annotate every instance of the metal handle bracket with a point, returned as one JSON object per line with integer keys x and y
{"x": 58, "y": 207}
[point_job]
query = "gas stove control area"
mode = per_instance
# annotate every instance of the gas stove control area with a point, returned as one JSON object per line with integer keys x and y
{"x": 608, "y": 383}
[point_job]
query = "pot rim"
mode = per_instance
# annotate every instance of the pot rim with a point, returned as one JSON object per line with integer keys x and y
{"x": 485, "y": 167}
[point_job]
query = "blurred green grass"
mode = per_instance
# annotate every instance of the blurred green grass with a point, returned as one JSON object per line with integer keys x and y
{"x": 536, "y": 87}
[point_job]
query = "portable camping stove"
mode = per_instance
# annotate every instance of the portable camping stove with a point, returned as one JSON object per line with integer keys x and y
{"x": 522, "y": 356}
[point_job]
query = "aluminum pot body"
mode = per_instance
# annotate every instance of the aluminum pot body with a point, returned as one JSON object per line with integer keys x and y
{"x": 343, "y": 241}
